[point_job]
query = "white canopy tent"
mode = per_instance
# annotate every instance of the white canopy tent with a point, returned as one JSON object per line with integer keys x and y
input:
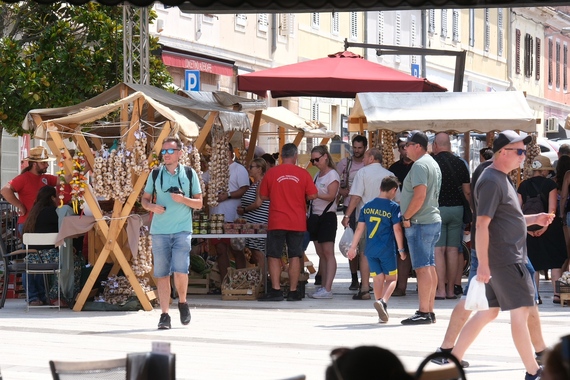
{"x": 282, "y": 117}
{"x": 442, "y": 112}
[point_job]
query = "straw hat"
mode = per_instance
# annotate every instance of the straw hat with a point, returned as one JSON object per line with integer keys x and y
{"x": 541, "y": 163}
{"x": 39, "y": 154}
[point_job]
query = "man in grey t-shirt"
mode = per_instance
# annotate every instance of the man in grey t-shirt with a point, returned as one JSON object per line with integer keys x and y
{"x": 501, "y": 249}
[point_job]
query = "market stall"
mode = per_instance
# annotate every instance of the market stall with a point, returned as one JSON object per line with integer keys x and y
{"x": 144, "y": 123}
{"x": 453, "y": 112}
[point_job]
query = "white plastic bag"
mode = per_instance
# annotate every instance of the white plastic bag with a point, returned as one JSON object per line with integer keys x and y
{"x": 346, "y": 241}
{"x": 476, "y": 296}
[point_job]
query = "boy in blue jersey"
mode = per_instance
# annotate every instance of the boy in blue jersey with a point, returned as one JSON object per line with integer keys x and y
{"x": 381, "y": 220}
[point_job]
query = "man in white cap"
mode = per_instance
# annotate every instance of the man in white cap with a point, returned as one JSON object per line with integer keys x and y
{"x": 29, "y": 182}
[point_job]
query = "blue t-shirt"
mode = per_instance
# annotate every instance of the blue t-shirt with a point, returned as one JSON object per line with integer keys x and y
{"x": 380, "y": 215}
{"x": 177, "y": 217}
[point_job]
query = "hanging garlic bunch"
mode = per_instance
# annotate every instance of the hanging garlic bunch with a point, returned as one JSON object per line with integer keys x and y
{"x": 196, "y": 164}
{"x": 532, "y": 150}
{"x": 387, "y": 146}
{"x": 139, "y": 161}
{"x": 102, "y": 177}
{"x": 142, "y": 264}
{"x": 219, "y": 168}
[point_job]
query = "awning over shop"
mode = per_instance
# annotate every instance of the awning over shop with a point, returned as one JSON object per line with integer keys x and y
{"x": 190, "y": 62}
{"x": 442, "y": 111}
{"x": 282, "y": 117}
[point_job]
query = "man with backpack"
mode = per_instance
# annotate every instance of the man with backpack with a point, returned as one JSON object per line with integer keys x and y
{"x": 171, "y": 228}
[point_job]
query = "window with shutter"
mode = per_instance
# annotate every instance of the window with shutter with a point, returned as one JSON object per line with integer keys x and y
{"x": 431, "y": 22}
{"x": 444, "y": 23}
{"x": 315, "y": 20}
{"x": 557, "y": 65}
{"x": 517, "y": 51}
{"x": 284, "y": 24}
{"x": 314, "y": 110}
{"x": 500, "y": 32}
{"x": 413, "y": 32}
{"x": 487, "y": 36}
{"x": 537, "y": 55}
{"x": 335, "y": 24}
{"x": 455, "y": 25}
{"x": 550, "y": 54}
{"x": 381, "y": 28}
{"x": 262, "y": 22}
{"x": 528, "y": 55}
{"x": 354, "y": 25}
{"x": 398, "y": 34}
{"x": 241, "y": 20}
{"x": 565, "y": 68}
{"x": 472, "y": 27}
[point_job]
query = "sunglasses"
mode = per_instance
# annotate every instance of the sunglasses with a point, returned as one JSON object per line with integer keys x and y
{"x": 169, "y": 151}
{"x": 403, "y": 146}
{"x": 520, "y": 152}
{"x": 313, "y": 160}
{"x": 410, "y": 144}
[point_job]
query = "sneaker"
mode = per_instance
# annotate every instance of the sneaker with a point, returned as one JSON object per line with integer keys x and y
{"x": 442, "y": 361}
{"x": 322, "y": 294}
{"x": 432, "y": 316}
{"x": 272, "y": 295}
{"x": 381, "y": 307}
{"x": 184, "y": 310}
{"x": 36, "y": 303}
{"x": 418, "y": 319}
{"x": 353, "y": 285}
{"x": 294, "y": 295}
{"x": 164, "y": 323}
{"x": 537, "y": 376}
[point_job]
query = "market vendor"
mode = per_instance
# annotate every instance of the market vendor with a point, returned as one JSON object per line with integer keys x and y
{"x": 228, "y": 203}
{"x": 171, "y": 227}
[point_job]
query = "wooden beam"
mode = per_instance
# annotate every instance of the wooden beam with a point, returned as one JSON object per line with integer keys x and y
{"x": 254, "y": 136}
{"x": 325, "y": 141}
{"x": 298, "y": 138}
{"x": 205, "y": 131}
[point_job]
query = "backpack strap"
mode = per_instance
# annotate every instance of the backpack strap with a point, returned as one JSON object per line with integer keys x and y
{"x": 539, "y": 194}
{"x": 190, "y": 176}
{"x": 154, "y": 174}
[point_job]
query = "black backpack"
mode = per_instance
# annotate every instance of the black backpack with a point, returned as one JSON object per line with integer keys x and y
{"x": 534, "y": 204}
{"x": 154, "y": 175}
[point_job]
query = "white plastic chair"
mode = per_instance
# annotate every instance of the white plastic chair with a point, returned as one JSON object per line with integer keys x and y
{"x": 44, "y": 269}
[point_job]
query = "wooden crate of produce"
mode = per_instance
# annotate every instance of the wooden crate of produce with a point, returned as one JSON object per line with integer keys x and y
{"x": 198, "y": 283}
{"x": 242, "y": 284}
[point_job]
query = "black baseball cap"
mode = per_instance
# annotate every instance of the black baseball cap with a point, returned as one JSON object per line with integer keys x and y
{"x": 509, "y": 137}
{"x": 418, "y": 137}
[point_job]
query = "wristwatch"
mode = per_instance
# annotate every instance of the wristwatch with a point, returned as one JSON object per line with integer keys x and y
{"x": 229, "y": 195}
{"x": 406, "y": 220}
{"x": 346, "y": 216}
{"x": 400, "y": 250}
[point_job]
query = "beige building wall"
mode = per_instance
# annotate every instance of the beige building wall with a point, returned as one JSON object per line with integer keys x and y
{"x": 480, "y": 32}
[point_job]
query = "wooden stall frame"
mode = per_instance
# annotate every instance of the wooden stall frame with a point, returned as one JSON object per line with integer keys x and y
{"x": 109, "y": 234}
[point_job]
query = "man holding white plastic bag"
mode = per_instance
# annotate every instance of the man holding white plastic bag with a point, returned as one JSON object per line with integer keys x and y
{"x": 501, "y": 250}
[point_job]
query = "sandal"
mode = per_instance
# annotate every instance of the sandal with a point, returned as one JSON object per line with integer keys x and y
{"x": 361, "y": 296}
{"x": 556, "y": 299}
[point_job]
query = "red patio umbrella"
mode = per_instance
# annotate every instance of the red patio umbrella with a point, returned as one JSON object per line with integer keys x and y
{"x": 339, "y": 75}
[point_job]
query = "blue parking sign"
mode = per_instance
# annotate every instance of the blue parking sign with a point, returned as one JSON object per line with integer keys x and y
{"x": 415, "y": 70}
{"x": 192, "y": 80}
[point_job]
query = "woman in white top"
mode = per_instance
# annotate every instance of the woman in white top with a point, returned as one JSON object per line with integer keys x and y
{"x": 323, "y": 235}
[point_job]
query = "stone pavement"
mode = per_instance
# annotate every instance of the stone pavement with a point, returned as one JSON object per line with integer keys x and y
{"x": 257, "y": 340}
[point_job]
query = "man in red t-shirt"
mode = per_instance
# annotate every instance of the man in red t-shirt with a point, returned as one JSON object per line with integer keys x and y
{"x": 29, "y": 182}
{"x": 287, "y": 187}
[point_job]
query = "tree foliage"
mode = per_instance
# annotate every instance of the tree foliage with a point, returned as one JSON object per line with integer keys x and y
{"x": 58, "y": 55}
